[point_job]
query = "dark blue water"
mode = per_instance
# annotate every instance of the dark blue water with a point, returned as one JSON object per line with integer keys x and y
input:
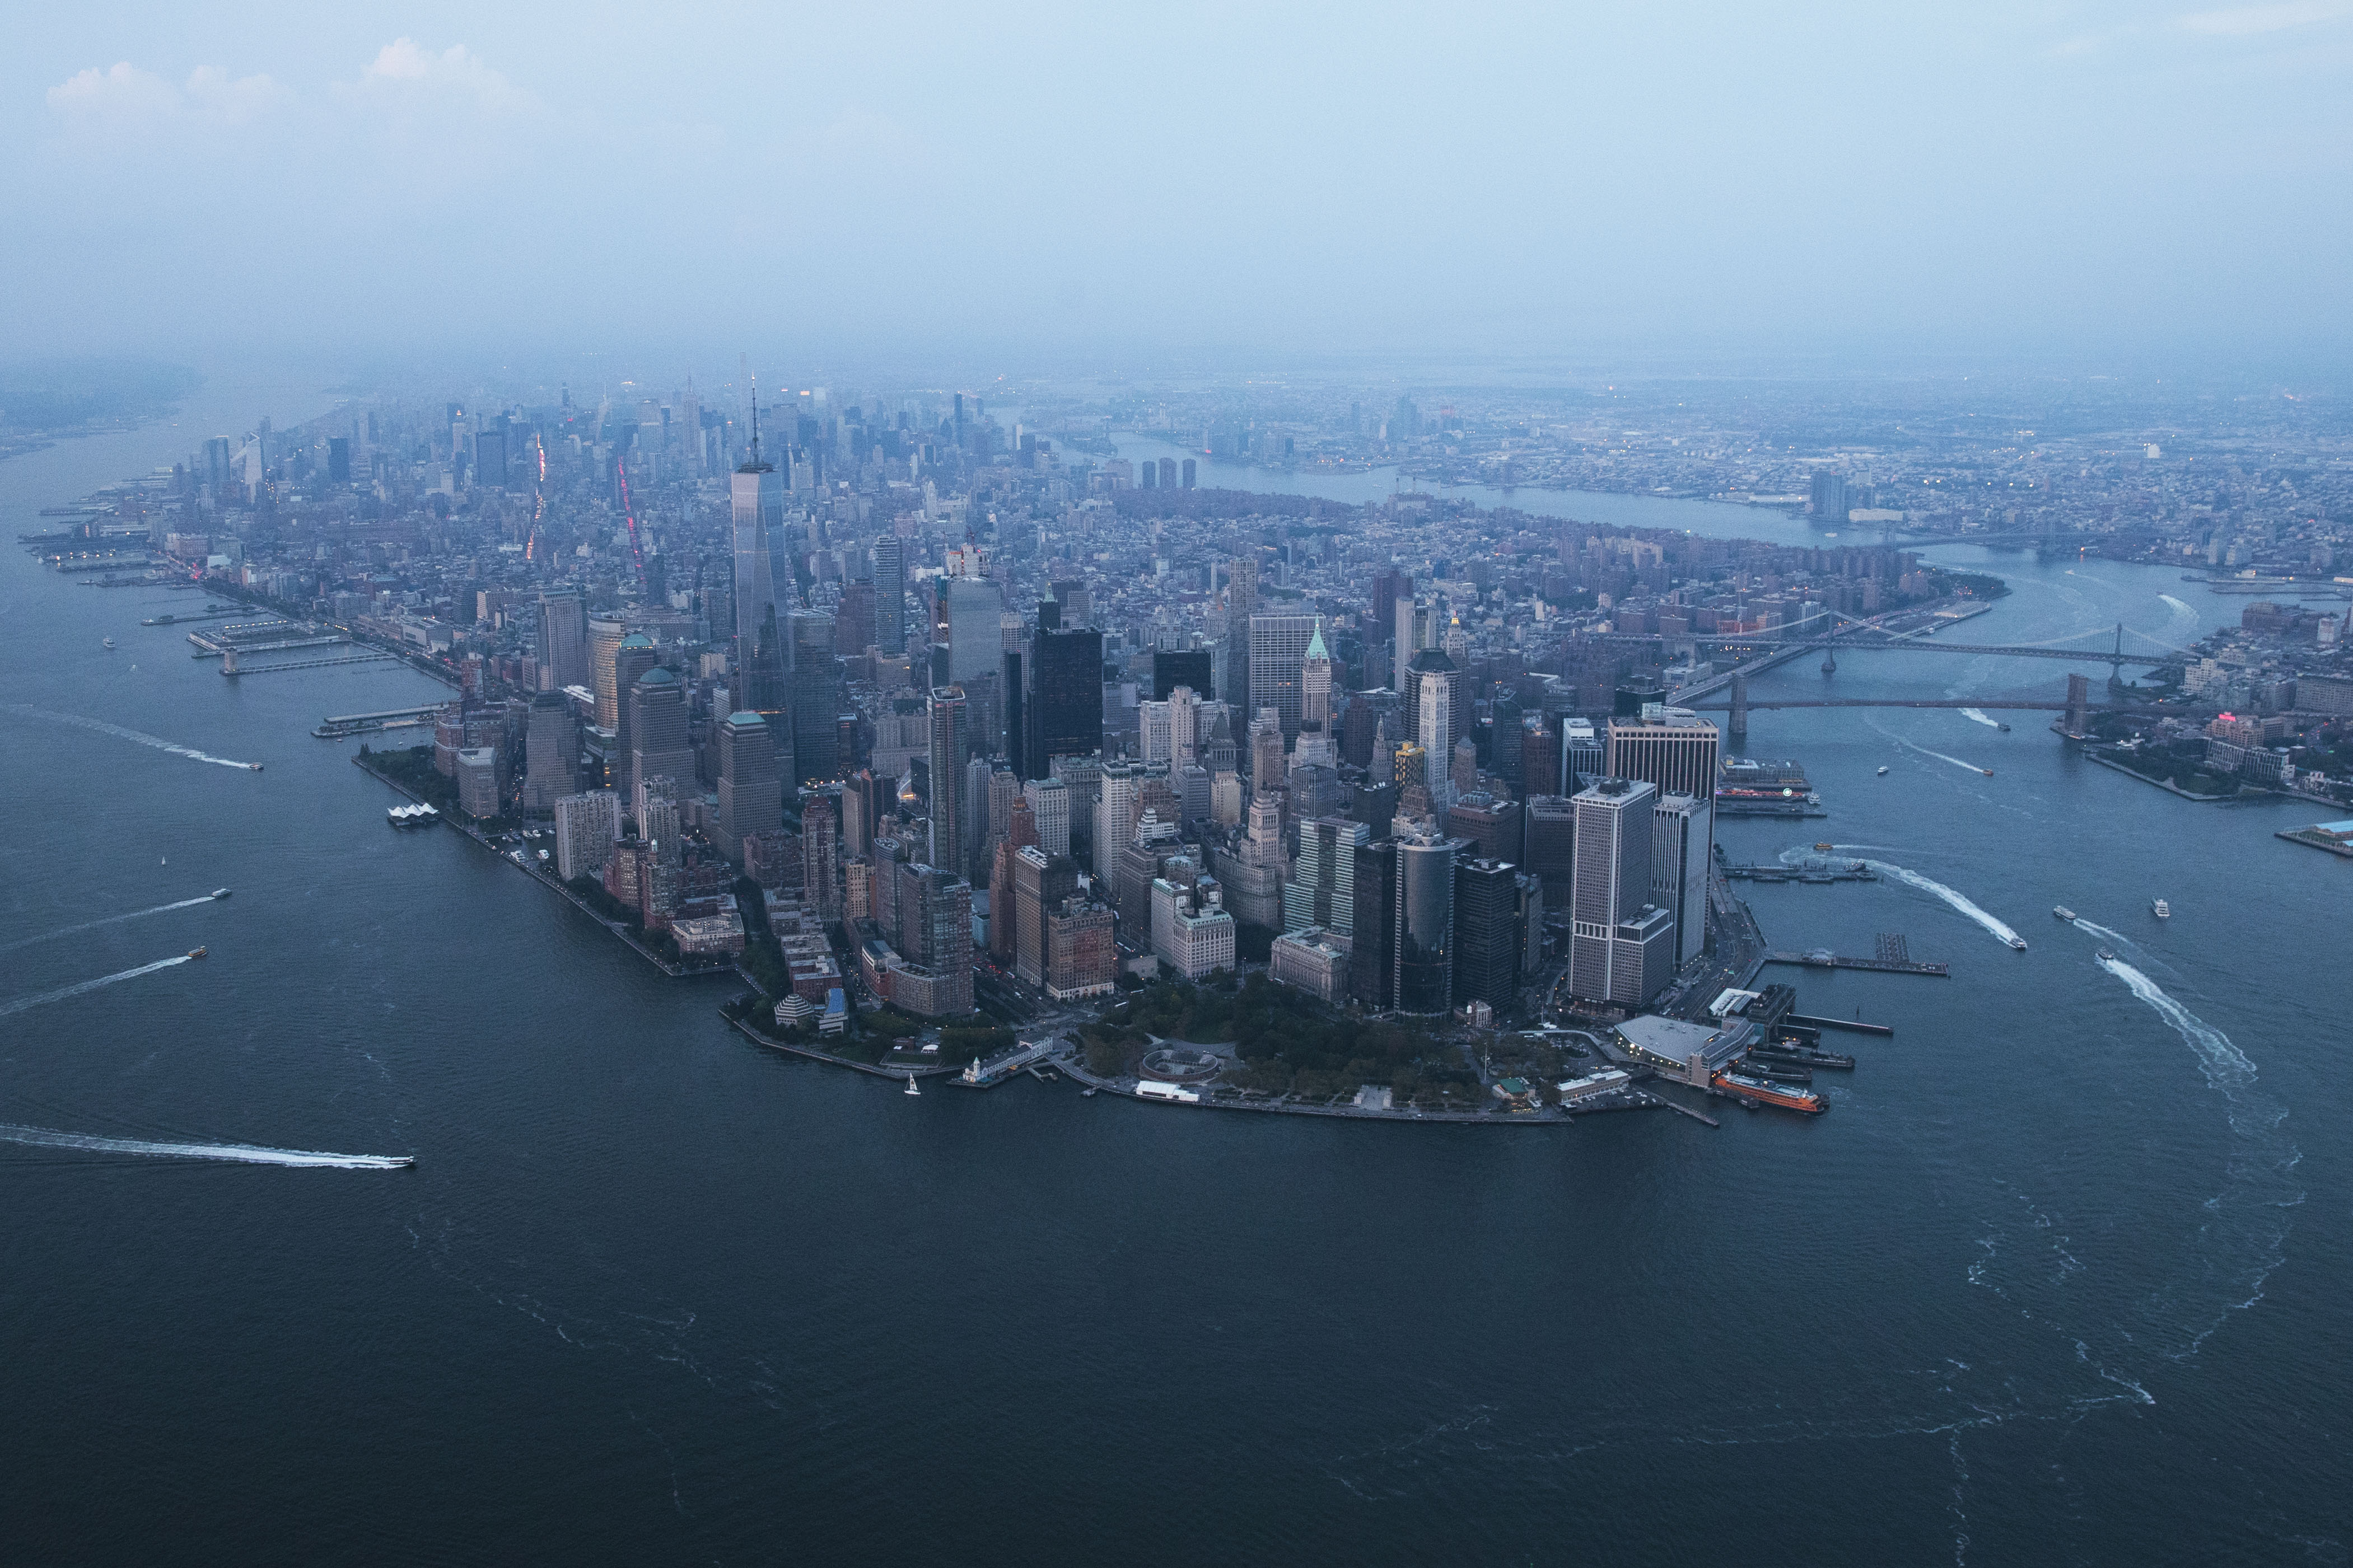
{"x": 2060, "y": 1277}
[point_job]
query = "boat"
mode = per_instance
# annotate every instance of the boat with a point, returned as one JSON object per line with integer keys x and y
{"x": 1883, "y": 772}
{"x": 2005, "y": 729}
{"x": 1988, "y": 771}
{"x": 2161, "y": 910}
{"x": 2107, "y": 955}
{"x": 2062, "y": 912}
{"x": 2017, "y": 943}
{"x": 106, "y": 642}
{"x": 1825, "y": 846}
{"x": 220, "y": 892}
{"x": 911, "y": 1085}
{"x": 195, "y": 953}
{"x": 1759, "y": 1091}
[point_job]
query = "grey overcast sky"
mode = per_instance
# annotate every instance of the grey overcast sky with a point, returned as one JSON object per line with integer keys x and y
{"x": 1263, "y": 179}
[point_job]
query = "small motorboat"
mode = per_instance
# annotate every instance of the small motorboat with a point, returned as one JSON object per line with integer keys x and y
{"x": 2107, "y": 955}
{"x": 195, "y": 953}
{"x": 106, "y": 642}
{"x": 2062, "y": 912}
{"x": 2017, "y": 944}
{"x": 220, "y": 892}
{"x": 2005, "y": 729}
{"x": 1883, "y": 772}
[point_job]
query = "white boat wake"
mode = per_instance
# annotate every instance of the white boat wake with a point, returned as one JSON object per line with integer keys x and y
{"x": 239, "y": 1154}
{"x": 9, "y": 1009}
{"x": 103, "y": 728}
{"x": 2180, "y": 610}
{"x": 110, "y": 919}
{"x": 2097, "y": 929}
{"x": 1960, "y": 902}
{"x": 2260, "y": 1189}
{"x": 1978, "y": 716}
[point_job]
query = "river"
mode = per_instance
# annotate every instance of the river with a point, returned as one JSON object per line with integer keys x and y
{"x": 2055, "y": 1279}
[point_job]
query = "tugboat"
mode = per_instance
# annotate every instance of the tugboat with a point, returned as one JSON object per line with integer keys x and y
{"x": 2062, "y": 912}
{"x": 2161, "y": 910}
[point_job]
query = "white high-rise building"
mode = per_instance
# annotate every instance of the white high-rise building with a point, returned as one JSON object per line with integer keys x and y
{"x": 587, "y": 828}
{"x": 1049, "y": 803}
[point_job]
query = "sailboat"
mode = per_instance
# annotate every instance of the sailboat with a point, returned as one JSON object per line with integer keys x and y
{"x": 911, "y": 1085}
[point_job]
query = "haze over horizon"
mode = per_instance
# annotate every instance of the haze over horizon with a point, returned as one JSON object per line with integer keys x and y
{"x": 1219, "y": 186}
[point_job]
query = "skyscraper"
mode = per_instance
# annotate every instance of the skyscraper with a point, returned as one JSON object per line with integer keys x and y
{"x": 551, "y": 750}
{"x": 1173, "y": 667}
{"x": 820, "y": 856}
{"x": 1425, "y": 923}
{"x": 947, "y": 758}
{"x": 563, "y": 641}
{"x": 1621, "y": 946}
{"x": 1371, "y": 954}
{"x": 1049, "y": 813}
{"x": 1323, "y": 887}
{"x": 1486, "y": 933}
{"x": 605, "y": 634}
{"x": 1316, "y": 685}
{"x": 1066, "y": 695}
{"x": 751, "y": 797}
{"x": 814, "y": 680}
{"x": 659, "y": 746}
{"x": 1830, "y": 504}
{"x": 758, "y": 500}
{"x": 631, "y": 660}
{"x": 1679, "y": 863}
{"x": 1278, "y": 658}
{"x": 890, "y": 594}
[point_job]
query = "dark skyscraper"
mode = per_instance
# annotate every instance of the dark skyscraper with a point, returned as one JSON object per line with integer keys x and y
{"x": 751, "y": 794}
{"x": 946, "y": 763}
{"x": 1486, "y": 933}
{"x": 1372, "y": 961}
{"x": 1066, "y": 695}
{"x": 854, "y": 624}
{"x": 1173, "y": 667}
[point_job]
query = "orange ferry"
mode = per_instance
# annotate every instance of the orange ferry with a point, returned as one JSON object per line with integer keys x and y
{"x": 1764, "y": 1093}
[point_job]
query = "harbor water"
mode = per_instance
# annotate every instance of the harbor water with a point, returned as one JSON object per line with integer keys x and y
{"x": 2058, "y": 1278}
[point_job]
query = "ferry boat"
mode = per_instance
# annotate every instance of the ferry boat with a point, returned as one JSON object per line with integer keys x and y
{"x": 195, "y": 953}
{"x": 2062, "y": 912}
{"x": 2017, "y": 944}
{"x": 1757, "y": 1090}
{"x": 2161, "y": 910}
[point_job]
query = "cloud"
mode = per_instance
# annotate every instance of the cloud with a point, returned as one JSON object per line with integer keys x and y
{"x": 400, "y": 67}
{"x": 2247, "y": 21}
{"x": 123, "y": 91}
{"x": 124, "y": 95}
{"x": 217, "y": 95}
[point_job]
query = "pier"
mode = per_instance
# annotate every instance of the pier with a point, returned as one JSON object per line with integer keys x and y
{"x": 230, "y": 667}
{"x": 336, "y": 727}
{"x": 1852, "y": 1025}
{"x": 1823, "y": 958}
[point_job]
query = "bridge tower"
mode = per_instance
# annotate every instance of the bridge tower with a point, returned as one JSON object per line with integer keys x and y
{"x": 2117, "y": 661}
{"x": 2078, "y": 721}
{"x": 1739, "y": 725}
{"x": 228, "y": 659}
{"x": 1829, "y": 661}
